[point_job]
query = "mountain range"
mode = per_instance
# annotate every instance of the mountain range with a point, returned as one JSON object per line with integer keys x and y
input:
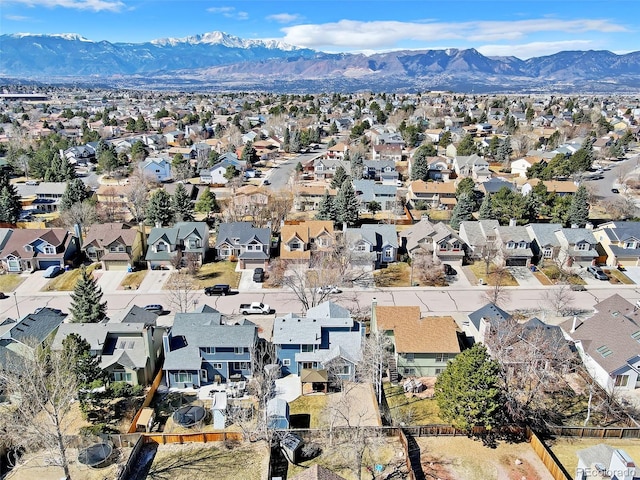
{"x": 221, "y": 61}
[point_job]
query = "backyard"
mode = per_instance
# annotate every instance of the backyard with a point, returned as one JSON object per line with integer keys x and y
{"x": 411, "y": 409}
{"x": 566, "y": 448}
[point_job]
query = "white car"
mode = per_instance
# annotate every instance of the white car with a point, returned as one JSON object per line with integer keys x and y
{"x": 328, "y": 289}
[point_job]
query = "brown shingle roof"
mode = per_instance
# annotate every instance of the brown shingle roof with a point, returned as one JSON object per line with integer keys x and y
{"x": 420, "y": 186}
{"x": 414, "y": 334}
{"x": 105, "y": 234}
{"x": 21, "y": 237}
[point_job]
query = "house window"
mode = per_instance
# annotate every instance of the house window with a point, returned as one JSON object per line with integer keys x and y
{"x": 28, "y": 248}
{"x": 208, "y": 349}
{"x": 241, "y": 365}
{"x": 182, "y": 377}
{"x": 161, "y": 247}
{"x": 307, "y": 348}
{"x": 511, "y": 245}
{"x": 438, "y": 371}
{"x": 361, "y": 247}
{"x": 441, "y": 357}
{"x": 621, "y": 380}
{"x": 217, "y": 366}
{"x": 629, "y": 244}
{"x": 294, "y": 246}
{"x": 49, "y": 250}
{"x": 203, "y": 375}
{"x": 344, "y": 370}
{"x": 582, "y": 246}
{"x": 225, "y": 252}
{"x": 409, "y": 371}
{"x": 522, "y": 245}
{"x": 309, "y": 364}
{"x": 388, "y": 252}
{"x": 547, "y": 252}
{"x": 238, "y": 350}
{"x": 194, "y": 243}
{"x": 121, "y": 376}
{"x": 409, "y": 357}
{"x": 286, "y": 362}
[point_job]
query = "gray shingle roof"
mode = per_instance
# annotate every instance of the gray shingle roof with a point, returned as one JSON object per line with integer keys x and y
{"x": 244, "y": 232}
{"x": 490, "y": 312}
{"x": 36, "y": 326}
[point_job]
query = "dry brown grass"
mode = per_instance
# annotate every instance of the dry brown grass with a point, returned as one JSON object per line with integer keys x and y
{"x": 395, "y": 275}
{"x": 495, "y": 275}
{"x": 10, "y": 281}
{"x": 411, "y": 409}
{"x": 66, "y": 281}
{"x": 133, "y": 279}
{"x": 197, "y": 461}
{"x": 566, "y": 448}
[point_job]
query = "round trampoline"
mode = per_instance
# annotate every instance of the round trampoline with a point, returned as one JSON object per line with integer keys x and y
{"x": 189, "y": 415}
{"x": 96, "y": 455}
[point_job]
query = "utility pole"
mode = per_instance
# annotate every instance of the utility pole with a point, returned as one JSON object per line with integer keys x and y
{"x": 15, "y": 298}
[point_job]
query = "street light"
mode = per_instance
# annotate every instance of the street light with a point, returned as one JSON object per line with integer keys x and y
{"x": 15, "y": 298}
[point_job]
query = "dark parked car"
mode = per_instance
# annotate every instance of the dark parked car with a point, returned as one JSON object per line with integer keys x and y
{"x": 615, "y": 190}
{"x": 219, "y": 289}
{"x": 258, "y": 275}
{"x": 578, "y": 288}
{"x": 449, "y": 270}
{"x": 155, "y": 308}
{"x": 53, "y": 271}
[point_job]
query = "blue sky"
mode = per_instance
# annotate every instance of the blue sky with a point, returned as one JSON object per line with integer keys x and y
{"x": 494, "y": 27}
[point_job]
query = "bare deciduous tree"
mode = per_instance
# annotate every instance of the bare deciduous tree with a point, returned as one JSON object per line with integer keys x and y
{"x": 181, "y": 293}
{"x": 560, "y": 298}
{"x": 427, "y": 269}
{"x": 376, "y": 353}
{"x": 137, "y": 195}
{"x": 497, "y": 293}
{"x": 42, "y": 388}
{"x": 84, "y": 214}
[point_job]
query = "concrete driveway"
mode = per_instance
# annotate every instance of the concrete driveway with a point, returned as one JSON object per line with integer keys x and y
{"x": 524, "y": 276}
{"x": 34, "y": 282}
{"x": 154, "y": 281}
{"x": 109, "y": 281}
{"x": 247, "y": 283}
{"x": 633, "y": 273}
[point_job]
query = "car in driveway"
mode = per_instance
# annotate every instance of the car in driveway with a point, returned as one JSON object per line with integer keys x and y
{"x": 154, "y": 308}
{"x": 328, "y": 289}
{"x": 53, "y": 271}
{"x": 258, "y": 275}
{"x": 597, "y": 272}
{"x": 449, "y": 270}
{"x": 615, "y": 190}
{"x": 219, "y": 289}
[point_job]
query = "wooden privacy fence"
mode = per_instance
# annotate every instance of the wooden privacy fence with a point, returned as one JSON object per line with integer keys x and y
{"x": 548, "y": 458}
{"x": 594, "y": 432}
{"x": 147, "y": 400}
{"x": 199, "y": 437}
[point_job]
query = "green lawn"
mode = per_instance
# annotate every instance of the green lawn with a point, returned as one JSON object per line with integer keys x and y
{"x": 9, "y": 282}
{"x": 411, "y": 410}
{"x": 66, "y": 282}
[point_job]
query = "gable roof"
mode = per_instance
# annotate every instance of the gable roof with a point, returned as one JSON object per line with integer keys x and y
{"x": 104, "y": 234}
{"x": 306, "y": 230}
{"x": 416, "y": 334}
{"x": 36, "y": 326}
{"x": 20, "y": 237}
{"x": 244, "y": 231}
{"x": 491, "y": 313}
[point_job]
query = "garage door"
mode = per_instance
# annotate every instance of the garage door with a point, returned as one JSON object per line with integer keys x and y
{"x": 250, "y": 264}
{"x": 44, "y": 264}
{"x": 116, "y": 266}
{"x": 516, "y": 262}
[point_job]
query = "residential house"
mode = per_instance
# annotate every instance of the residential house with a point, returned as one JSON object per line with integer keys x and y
{"x": 392, "y": 151}
{"x": 325, "y": 338}
{"x": 494, "y": 185}
{"x": 308, "y": 197}
{"x": 37, "y": 249}
{"x": 200, "y": 349}
{"x": 325, "y": 168}
{"x": 17, "y": 337}
{"x": 129, "y": 346}
{"x": 368, "y": 191}
{"x": 44, "y": 197}
{"x": 338, "y": 151}
{"x": 438, "y": 169}
{"x": 372, "y": 245}
{"x": 559, "y": 187}
{"x": 609, "y": 343}
{"x": 437, "y": 239}
{"x": 620, "y": 242}
{"x": 603, "y": 462}
{"x": 156, "y": 168}
{"x": 301, "y": 240}
{"x": 248, "y": 244}
{"x": 515, "y": 246}
{"x": 380, "y": 170}
{"x": 478, "y": 235}
{"x": 168, "y": 245}
{"x": 440, "y": 195}
{"x": 484, "y": 319}
{"x": 472, "y": 166}
{"x": 422, "y": 346}
{"x": 250, "y": 198}
{"x": 115, "y": 245}
{"x": 216, "y": 174}
{"x": 521, "y": 165}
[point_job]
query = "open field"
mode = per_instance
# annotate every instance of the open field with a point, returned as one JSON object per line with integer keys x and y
{"x": 197, "y": 461}
{"x": 566, "y": 448}
{"x": 451, "y": 458}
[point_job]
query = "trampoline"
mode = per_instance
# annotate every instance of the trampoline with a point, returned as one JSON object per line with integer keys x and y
{"x": 96, "y": 455}
{"x": 189, "y": 415}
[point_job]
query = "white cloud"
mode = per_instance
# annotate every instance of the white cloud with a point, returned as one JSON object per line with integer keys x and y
{"x": 534, "y": 49}
{"x": 389, "y": 34}
{"x": 95, "y": 5}
{"x": 284, "y": 17}
{"x": 17, "y": 18}
{"x": 229, "y": 12}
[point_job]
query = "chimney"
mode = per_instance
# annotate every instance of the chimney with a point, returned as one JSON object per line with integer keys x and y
{"x": 512, "y": 222}
{"x": 77, "y": 228}
{"x": 574, "y": 325}
{"x": 588, "y": 226}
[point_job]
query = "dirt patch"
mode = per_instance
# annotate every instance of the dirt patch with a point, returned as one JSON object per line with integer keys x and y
{"x": 450, "y": 458}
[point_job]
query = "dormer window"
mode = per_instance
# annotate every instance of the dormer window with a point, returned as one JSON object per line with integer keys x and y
{"x": 28, "y": 248}
{"x": 49, "y": 250}
{"x": 582, "y": 246}
{"x": 161, "y": 247}
{"x": 511, "y": 245}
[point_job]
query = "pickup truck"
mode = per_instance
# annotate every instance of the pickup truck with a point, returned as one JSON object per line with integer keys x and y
{"x": 254, "y": 307}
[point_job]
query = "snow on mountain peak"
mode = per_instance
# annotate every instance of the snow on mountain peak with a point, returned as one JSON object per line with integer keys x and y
{"x": 222, "y": 38}
{"x": 65, "y": 36}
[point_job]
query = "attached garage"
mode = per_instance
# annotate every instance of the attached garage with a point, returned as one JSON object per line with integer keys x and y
{"x": 251, "y": 264}
{"x": 516, "y": 262}
{"x": 44, "y": 264}
{"x": 116, "y": 265}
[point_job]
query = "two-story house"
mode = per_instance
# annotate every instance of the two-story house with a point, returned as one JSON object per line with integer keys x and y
{"x": 380, "y": 170}
{"x": 338, "y": 151}
{"x": 185, "y": 240}
{"x": 216, "y": 174}
{"x": 43, "y": 197}
{"x": 129, "y": 346}
{"x": 301, "y": 240}
{"x": 156, "y": 168}
{"x": 436, "y": 239}
{"x": 248, "y": 244}
{"x": 472, "y": 166}
{"x": 392, "y": 152}
{"x": 372, "y": 245}
{"x": 37, "y": 249}
{"x": 326, "y": 168}
{"x": 368, "y": 191}
{"x": 308, "y": 197}
{"x": 620, "y": 242}
{"x": 435, "y": 194}
{"x": 515, "y": 244}
{"x": 115, "y": 245}
{"x": 422, "y": 346}
{"x": 201, "y": 349}
{"x": 326, "y": 338}
{"x": 567, "y": 246}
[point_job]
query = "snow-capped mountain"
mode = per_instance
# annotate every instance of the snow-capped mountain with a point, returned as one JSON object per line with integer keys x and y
{"x": 221, "y": 38}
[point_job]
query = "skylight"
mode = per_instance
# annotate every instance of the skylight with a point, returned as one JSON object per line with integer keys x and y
{"x": 604, "y": 351}
{"x": 636, "y": 336}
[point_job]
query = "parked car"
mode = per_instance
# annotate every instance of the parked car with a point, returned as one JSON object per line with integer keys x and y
{"x": 254, "y": 307}
{"x": 449, "y": 270}
{"x": 219, "y": 289}
{"x": 3, "y": 295}
{"x": 615, "y": 190}
{"x": 578, "y": 288}
{"x": 258, "y": 275}
{"x": 597, "y": 272}
{"x": 53, "y": 271}
{"x": 328, "y": 289}
{"x": 154, "y": 308}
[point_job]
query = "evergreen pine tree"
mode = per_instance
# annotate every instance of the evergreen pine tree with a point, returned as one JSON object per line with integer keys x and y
{"x": 504, "y": 151}
{"x": 159, "y": 209}
{"x": 85, "y": 366}
{"x": 76, "y": 192}
{"x": 326, "y": 208}
{"x": 579, "y": 208}
{"x": 467, "y": 146}
{"x": 486, "y": 209}
{"x": 207, "y": 203}
{"x": 181, "y": 204}
{"x": 463, "y": 210}
{"x": 346, "y": 204}
{"x": 339, "y": 177}
{"x": 9, "y": 201}
{"x": 286, "y": 142}
{"x": 86, "y": 305}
